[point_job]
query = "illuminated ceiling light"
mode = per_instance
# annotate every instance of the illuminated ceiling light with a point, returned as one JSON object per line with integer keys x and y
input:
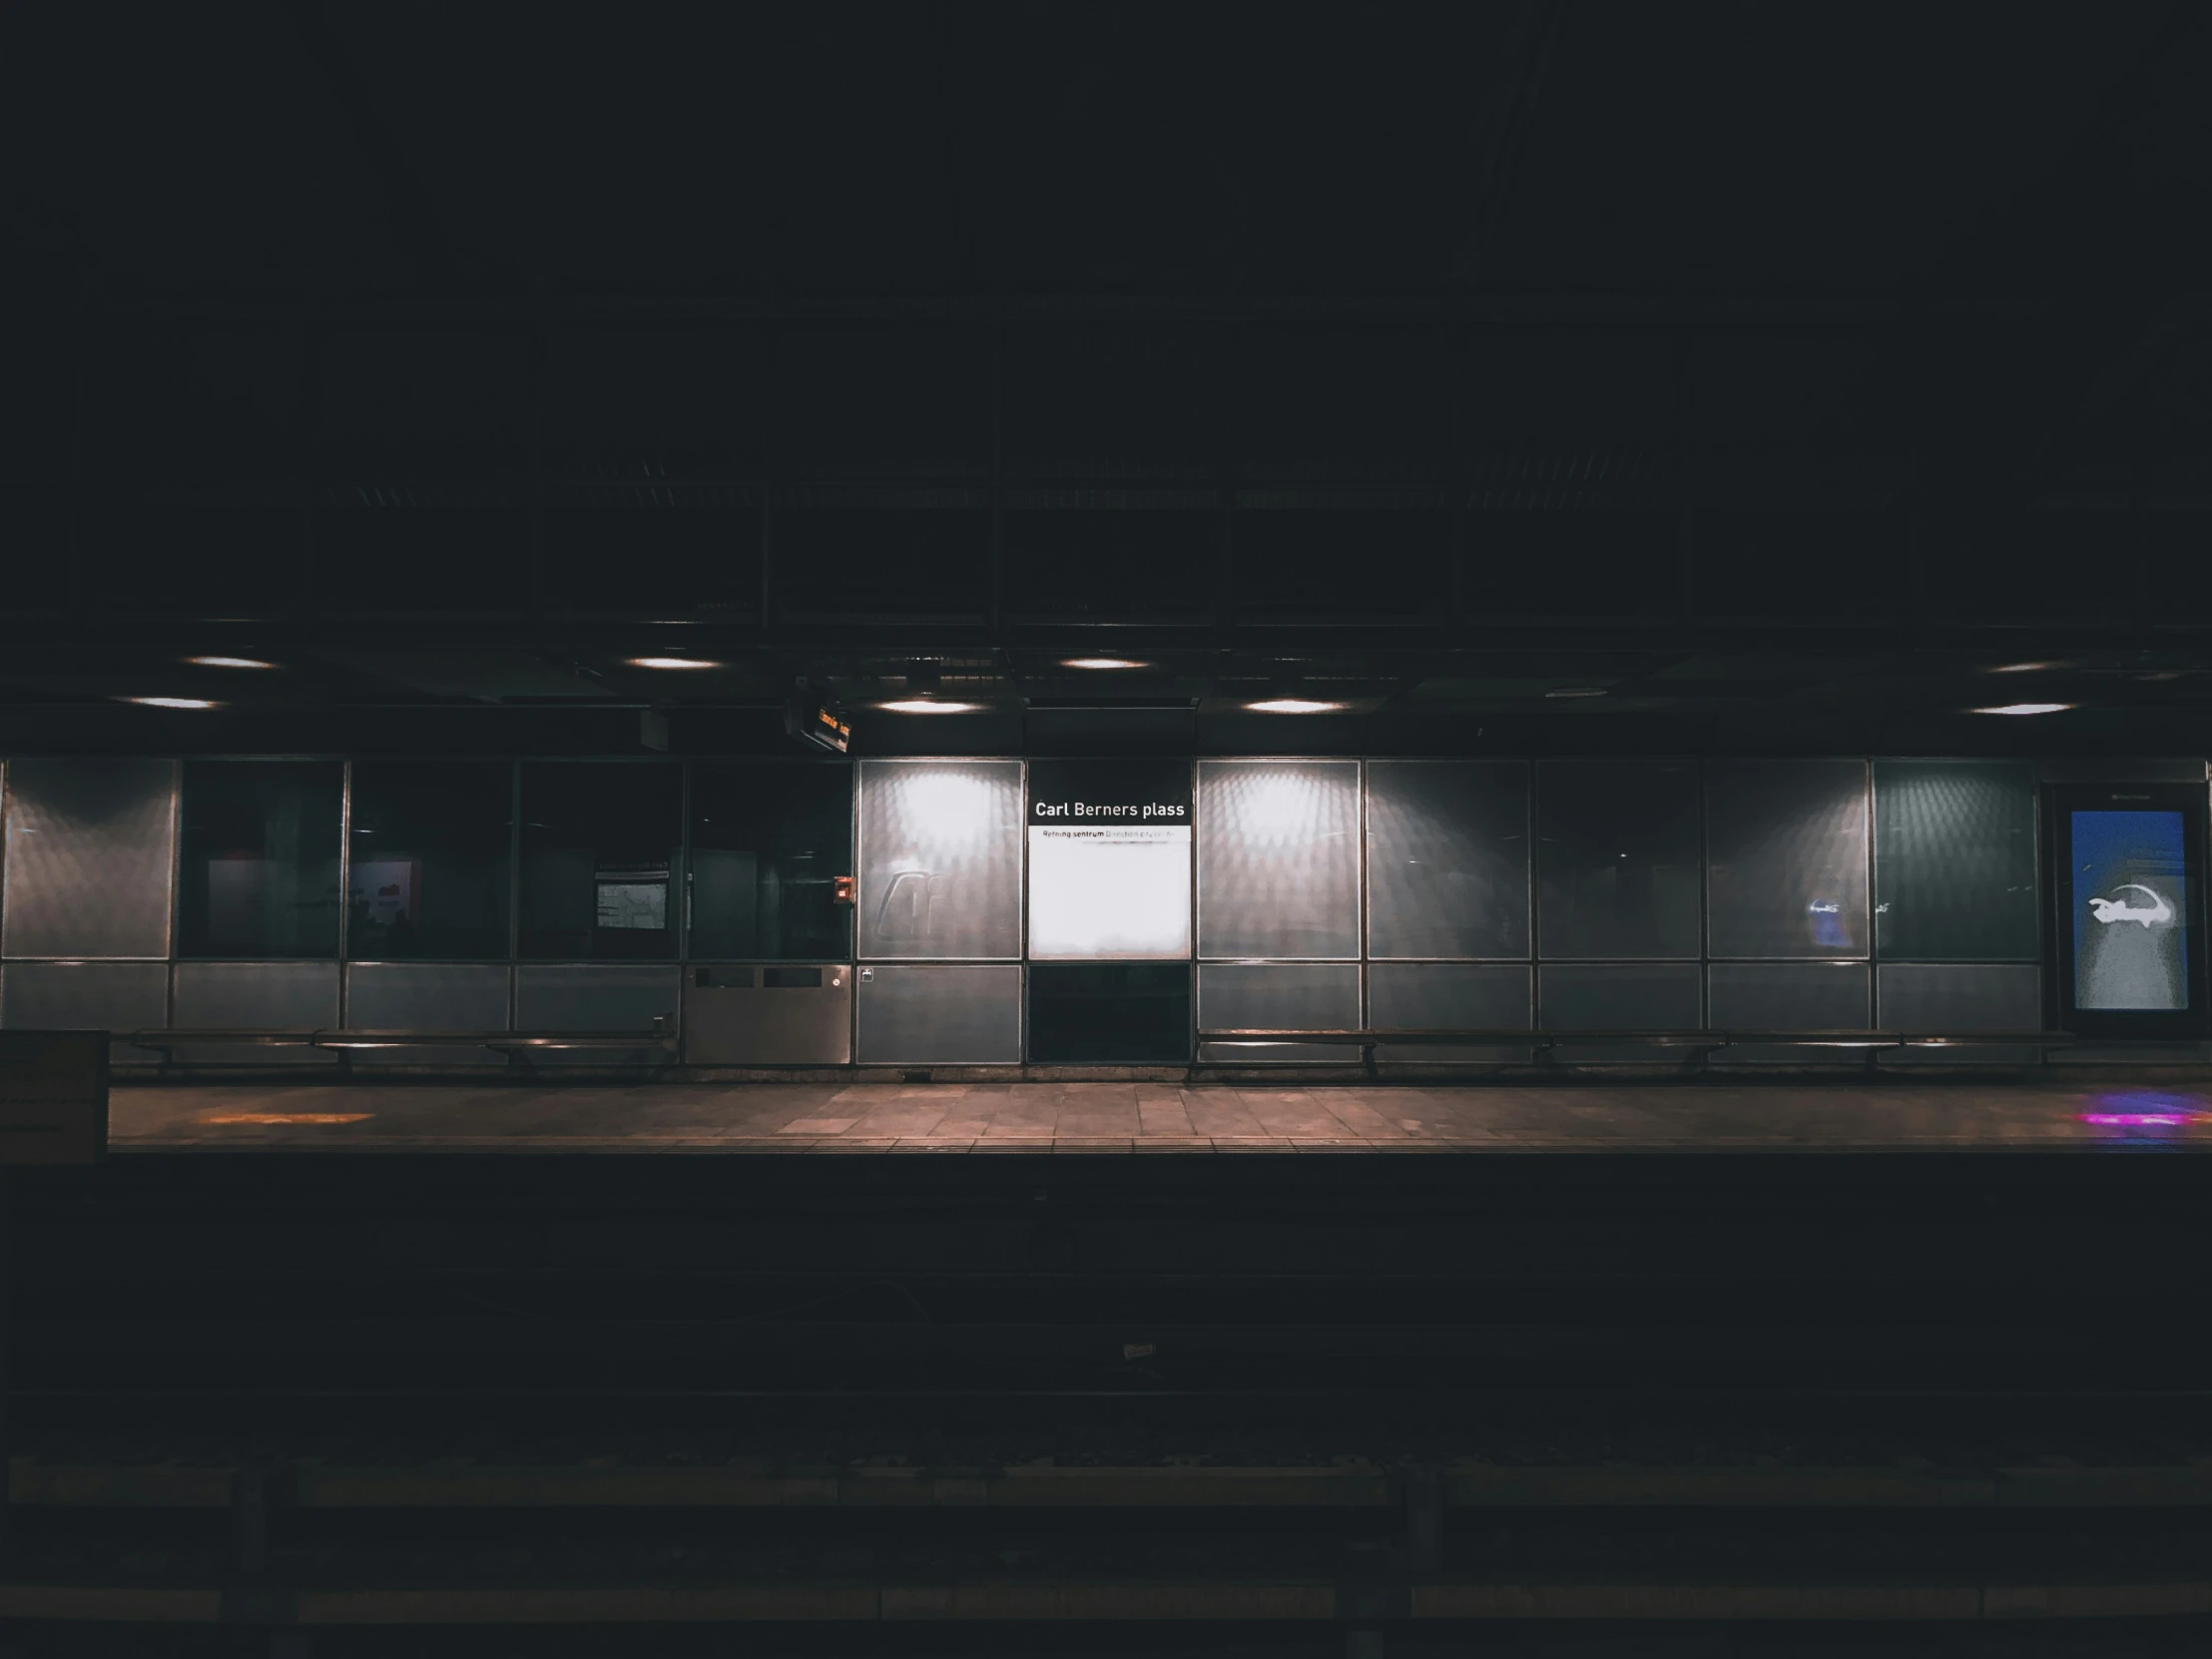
{"x": 927, "y": 706}
{"x": 228, "y": 662}
{"x": 2022, "y": 668}
{"x": 2024, "y": 709}
{"x": 1292, "y": 706}
{"x": 173, "y": 702}
{"x": 1102, "y": 662}
{"x": 671, "y": 662}
{"x": 1577, "y": 691}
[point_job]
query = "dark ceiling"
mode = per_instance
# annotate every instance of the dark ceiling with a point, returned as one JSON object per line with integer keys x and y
{"x": 1765, "y": 376}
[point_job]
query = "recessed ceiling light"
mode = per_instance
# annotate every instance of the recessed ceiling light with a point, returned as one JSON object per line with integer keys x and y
{"x": 1292, "y": 706}
{"x": 2022, "y": 668}
{"x": 1577, "y": 691}
{"x": 173, "y": 702}
{"x": 671, "y": 662}
{"x": 927, "y": 706}
{"x": 1101, "y": 662}
{"x": 2025, "y": 709}
{"x": 228, "y": 662}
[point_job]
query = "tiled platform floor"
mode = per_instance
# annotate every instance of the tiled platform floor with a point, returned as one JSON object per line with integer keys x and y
{"x": 1148, "y": 1117}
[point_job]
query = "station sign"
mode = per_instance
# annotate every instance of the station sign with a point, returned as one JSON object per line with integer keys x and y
{"x": 1109, "y": 859}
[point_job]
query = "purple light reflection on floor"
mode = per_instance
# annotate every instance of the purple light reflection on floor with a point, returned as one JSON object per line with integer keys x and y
{"x": 2140, "y": 1109}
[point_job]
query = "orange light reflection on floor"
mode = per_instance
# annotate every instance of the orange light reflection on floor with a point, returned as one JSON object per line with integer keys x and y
{"x": 285, "y": 1117}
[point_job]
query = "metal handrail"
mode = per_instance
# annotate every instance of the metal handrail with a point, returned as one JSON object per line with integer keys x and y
{"x": 662, "y": 1035}
{"x": 1522, "y": 1037}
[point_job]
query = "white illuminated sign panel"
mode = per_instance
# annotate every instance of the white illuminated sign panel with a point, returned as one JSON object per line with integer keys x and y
{"x": 1109, "y": 860}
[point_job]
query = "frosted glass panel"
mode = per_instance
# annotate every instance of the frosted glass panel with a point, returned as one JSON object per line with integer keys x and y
{"x": 1278, "y": 858}
{"x": 1788, "y": 996}
{"x": 595, "y": 996}
{"x": 88, "y": 856}
{"x": 1943, "y": 999}
{"x": 425, "y": 996}
{"x": 1617, "y": 849}
{"x": 1628, "y": 996}
{"x": 1293, "y": 996}
{"x": 86, "y": 996}
{"x": 941, "y": 1015}
{"x": 282, "y": 996}
{"x": 1448, "y": 859}
{"x": 1955, "y": 860}
{"x": 1437, "y": 996}
{"x": 940, "y": 859}
{"x": 1787, "y": 842}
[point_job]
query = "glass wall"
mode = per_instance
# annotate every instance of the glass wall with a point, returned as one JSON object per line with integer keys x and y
{"x": 1618, "y": 857}
{"x": 257, "y": 865}
{"x": 601, "y": 843}
{"x": 87, "y": 865}
{"x": 1954, "y": 861}
{"x": 1278, "y": 859}
{"x": 940, "y": 859}
{"x": 1785, "y": 858}
{"x": 1388, "y": 894}
{"x": 768, "y": 842}
{"x": 429, "y": 873}
{"x": 1448, "y": 859}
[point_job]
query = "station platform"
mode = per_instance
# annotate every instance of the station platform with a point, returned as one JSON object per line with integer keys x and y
{"x": 1037, "y": 1117}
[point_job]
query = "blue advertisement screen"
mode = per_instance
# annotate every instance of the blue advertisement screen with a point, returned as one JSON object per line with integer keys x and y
{"x": 2130, "y": 921}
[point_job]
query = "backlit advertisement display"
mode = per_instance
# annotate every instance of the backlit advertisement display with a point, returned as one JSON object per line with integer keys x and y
{"x": 2131, "y": 909}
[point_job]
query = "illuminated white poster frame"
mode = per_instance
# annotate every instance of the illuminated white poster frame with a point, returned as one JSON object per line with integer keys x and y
{"x": 1109, "y": 860}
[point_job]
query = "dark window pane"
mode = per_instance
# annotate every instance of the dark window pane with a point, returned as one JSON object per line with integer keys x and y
{"x": 429, "y": 876}
{"x": 768, "y": 842}
{"x": 600, "y": 845}
{"x": 1955, "y": 860}
{"x": 259, "y": 866}
{"x": 1617, "y": 845}
{"x": 1110, "y": 1014}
